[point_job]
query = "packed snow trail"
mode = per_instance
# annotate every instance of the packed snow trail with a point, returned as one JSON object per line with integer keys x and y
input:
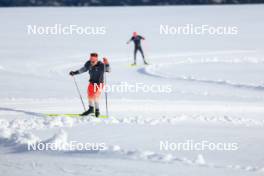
{"x": 169, "y": 69}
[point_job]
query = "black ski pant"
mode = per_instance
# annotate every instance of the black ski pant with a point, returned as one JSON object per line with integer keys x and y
{"x": 141, "y": 52}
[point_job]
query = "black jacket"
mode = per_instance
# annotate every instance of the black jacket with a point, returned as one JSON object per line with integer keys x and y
{"x": 137, "y": 40}
{"x": 96, "y": 72}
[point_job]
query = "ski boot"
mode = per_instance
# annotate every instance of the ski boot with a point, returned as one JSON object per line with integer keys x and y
{"x": 97, "y": 113}
{"x": 89, "y": 111}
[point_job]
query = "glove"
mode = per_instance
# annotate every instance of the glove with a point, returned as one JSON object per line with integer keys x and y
{"x": 72, "y": 73}
{"x": 106, "y": 62}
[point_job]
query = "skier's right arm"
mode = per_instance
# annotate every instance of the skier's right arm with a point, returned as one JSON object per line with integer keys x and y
{"x": 129, "y": 40}
{"x": 81, "y": 70}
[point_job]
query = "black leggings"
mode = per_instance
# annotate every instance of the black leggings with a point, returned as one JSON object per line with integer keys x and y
{"x": 135, "y": 53}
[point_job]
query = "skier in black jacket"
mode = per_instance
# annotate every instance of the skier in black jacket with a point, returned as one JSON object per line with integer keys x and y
{"x": 137, "y": 42}
{"x": 96, "y": 71}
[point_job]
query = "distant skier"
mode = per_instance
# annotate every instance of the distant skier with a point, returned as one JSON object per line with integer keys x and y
{"x": 137, "y": 42}
{"x": 96, "y": 71}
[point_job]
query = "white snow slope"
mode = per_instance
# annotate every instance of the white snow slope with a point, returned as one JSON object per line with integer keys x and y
{"x": 217, "y": 92}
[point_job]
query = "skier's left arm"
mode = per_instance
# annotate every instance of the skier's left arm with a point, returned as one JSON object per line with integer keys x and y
{"x": 106, "y": 64}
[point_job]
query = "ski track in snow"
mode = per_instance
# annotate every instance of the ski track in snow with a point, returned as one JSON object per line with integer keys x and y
{"x": 152, "y": 70}
{"x": 19, "y": 142}
{"x": 40, "y": 121}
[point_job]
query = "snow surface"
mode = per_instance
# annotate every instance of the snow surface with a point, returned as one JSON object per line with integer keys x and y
{"x": 217, "y": 81}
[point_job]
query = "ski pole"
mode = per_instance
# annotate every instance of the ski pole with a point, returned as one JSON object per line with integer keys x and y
{"x": 106, "y": 101}
{"x": 145, "y": 50}
{"x": 128, "y": 56}
{"x": 78, "y": 90}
